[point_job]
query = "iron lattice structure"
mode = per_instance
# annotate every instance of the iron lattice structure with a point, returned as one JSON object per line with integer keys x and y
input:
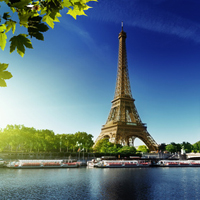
{"x": 124, "y": 124}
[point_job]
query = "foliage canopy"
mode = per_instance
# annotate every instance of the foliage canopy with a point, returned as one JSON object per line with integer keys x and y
{"x": 34, "y": 16}
{"x": 26, "y": 139}
{"x": 143, "y": 148}
{"x": 104, "y": 146}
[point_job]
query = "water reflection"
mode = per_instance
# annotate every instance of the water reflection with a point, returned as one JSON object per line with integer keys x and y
{"x": 112, "y": 184}
{"x": 120, "y": 183}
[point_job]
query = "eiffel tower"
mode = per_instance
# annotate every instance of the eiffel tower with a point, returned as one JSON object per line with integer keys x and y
{"x": 124, "y": 124}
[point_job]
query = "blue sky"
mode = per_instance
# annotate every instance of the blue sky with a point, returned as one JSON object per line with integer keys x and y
{"x": 67, "y": 82}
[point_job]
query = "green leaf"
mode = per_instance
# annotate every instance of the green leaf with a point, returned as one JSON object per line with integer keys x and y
{"x": 3, "y": 36}
{"x": 10, "y": 24}
{"x": 56, "y": 17}
{"x": 66, "y": 3}
{"x": 35, "y": 27}
{"x": 86, "y": 7}
{"x": 76, "y": 11}
{"x": 2, "y": 27}
{"x": 82, "y": 1}
{"x": 19, "y": 42}
{"x": 48, "y": 20}
{"x": 75, "y": 1}
{"x": 37, "y": 35}
{"x": 42, "y": 27}
{"x": 78, "y": 7}
{"x": 6, "y": 16}
{"x": 13, "y": 9}
{"x": 2, "y": 83}
{"x": 21, "y": 4}
{"x": 43, "y": 10}
{"x": 3, "y": 66}
{"x": 5, "y": 75}
{"x": 6, "y": 1}
{"x": 23, "y": 18}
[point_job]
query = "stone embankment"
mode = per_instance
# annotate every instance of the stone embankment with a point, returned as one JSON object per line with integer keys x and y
{"x": 54, "y": 155}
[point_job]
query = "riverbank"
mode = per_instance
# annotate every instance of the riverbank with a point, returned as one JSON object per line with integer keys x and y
{"x": 51, "y": 155}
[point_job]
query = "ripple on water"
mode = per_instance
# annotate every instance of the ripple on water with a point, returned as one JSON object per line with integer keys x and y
{"x": 112, "y": 184}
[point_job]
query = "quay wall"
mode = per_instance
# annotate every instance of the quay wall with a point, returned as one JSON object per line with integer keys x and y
{"x": 52, "y": 155}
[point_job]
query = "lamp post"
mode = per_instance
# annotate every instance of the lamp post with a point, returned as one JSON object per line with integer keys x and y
{"x": 80, "y": 153}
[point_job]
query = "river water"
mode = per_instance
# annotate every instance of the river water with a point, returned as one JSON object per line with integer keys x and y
{"x": 94, "y": 183}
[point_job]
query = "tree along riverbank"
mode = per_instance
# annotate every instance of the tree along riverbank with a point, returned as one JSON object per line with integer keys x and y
{"x": 18, "y": 138}
{"x": 60, "y": 155}
{"x": 51, "y": 155}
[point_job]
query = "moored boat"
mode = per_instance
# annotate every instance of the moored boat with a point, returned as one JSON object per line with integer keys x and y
{"x": 195, "y": 163}
{"x": 70, "y": 165}
{"x": 34, "y": 164}
{"x": 122, "y": 163}
{"x": 179, "y": 163}
{"x": 93, "y": 162}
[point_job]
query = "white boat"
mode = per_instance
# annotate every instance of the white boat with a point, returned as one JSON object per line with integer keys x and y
{"x": 93, "y": 162}
{"x": 34, "y": 164}
{"x": 123, "y": 163}
{"x": 195, "y": 163}
{"x": 179, "y": 163}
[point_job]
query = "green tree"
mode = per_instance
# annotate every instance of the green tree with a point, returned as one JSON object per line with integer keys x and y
{"x": 49, "y": 137}
{"x": 162, "y": 147}
{"x": 59, "y": 142}
{"x": 113, "y": 149}
{"x": 107, "y": 147}
{"x": 29, "y": 138}
{"x": 127, "y": 149}
{"x": 187, "y": 146}
{"x": 1, "y": 140}
{"x": 84, "y": 140}
{"x": 39, "y": 145}
{"x": 13, "y": 136}
{"x": 102, "y": 145}
{"x": 70, "y": 142}
{"x": 4, "y": 140}
{"x": 171, "y": 148}
{"x": 33, "y": 16}
{"x": 143, "y": 148}
{"x": 196, "y": 146}
{"x": 26, "y": 139}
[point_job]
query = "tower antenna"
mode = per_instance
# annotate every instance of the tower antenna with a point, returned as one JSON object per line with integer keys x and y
{"x": 122, "y": 25}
